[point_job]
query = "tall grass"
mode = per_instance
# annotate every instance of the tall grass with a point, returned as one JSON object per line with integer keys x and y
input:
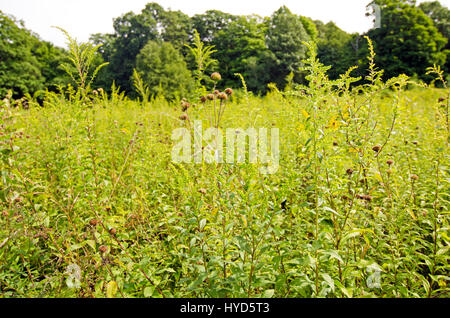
{"x": 358, "y": 208}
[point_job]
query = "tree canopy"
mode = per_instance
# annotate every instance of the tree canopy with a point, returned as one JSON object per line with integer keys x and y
{"x": 262, "y": 49}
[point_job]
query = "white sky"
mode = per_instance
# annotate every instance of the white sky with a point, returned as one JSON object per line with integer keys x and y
{"x": 81, "y": 18}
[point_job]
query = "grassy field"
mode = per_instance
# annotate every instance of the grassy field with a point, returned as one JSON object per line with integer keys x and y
{"x": 92, "y": 204}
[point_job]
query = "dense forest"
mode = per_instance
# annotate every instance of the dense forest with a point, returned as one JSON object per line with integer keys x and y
{"x": 263, "y": 50}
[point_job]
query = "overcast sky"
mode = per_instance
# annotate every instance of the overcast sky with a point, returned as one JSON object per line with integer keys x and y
{"x": 81, "y": 18}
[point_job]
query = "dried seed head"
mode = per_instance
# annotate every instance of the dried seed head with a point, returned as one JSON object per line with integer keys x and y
{"x": 229, "y": 91}
{"x": 216, "y": 92}
{"x": 93, "y": 222}
{"x": 216, "y": 76}
{"x": 184, "y": 117}
{"x": 376, "y": 148}
{"x": 103, "y": 248}
{"x": 210, "y": 97}
{"x": 203, "y": 99}
{"x": 112, "y": 231}
{"x": 414, "y": 177}
{"x": 223, "y": 96}
{"x": 390, "y": 162}
{"x": 350, "y": 171}
{"x": 185, "y": 106}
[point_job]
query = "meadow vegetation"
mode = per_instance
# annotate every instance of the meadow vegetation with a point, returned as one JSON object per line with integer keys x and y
{"x": 92, "y": 204}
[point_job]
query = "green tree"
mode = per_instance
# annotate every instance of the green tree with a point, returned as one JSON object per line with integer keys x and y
{"x": 334, "y": 48}
{"x": 285, "y": 36}
{"x": 240, "y": 47}
{"x": 19, "y": 69}
{"x": 163, "y": 69}
{"x": 209, "y": 24}
{"x": 441, "y": 18}
{"x": 407, "y": 42}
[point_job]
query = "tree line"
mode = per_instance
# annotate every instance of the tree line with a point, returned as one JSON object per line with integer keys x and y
{"x": 263, "y": 50}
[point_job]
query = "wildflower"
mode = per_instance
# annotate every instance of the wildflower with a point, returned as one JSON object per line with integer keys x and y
{"x": 185, "y": 106}
{"x": 210, "y": 97}
{"x": 216, "y": 92}
{"x": 93, "y": 222}
{"x": 103, "y": 248}
{"x": 203, "y": 99}
{"x": 376, "y": 148}
{"x": 389, "y": 171}
{"x": 184, "y": 117}
{"x": 216, "y": 76}
{"x": 390, "y": 162}
{"x": 223, "y": 96}
{"x": 113, "y": 231}
{"x": 414, "y": 177}
{"x": 229, "y": 91}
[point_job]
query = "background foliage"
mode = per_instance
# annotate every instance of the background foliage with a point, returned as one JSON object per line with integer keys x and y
{"x": 263, "y": 50}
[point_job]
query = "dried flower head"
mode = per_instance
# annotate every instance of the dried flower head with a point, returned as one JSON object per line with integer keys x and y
{"x": 390, "y": 162}
{"x": 185, "y": 106}
{"x": 414, "y": 177}
{"x": 376, "y": 148}
{"x": 203, "y": 99}
{"x": 216, "y": 92}
{"x": 112, "y": 231}
{"x": 184, "y": 117}
{"x": 229, "y": 91}
{"x": 93, "y": 222}
{"x": 210, "y": 97}
{"x": 350, "y": 171}
{"x": 216, "y": 76}
{"x": 223, "y": 96}
{"x": 103, "y": 248}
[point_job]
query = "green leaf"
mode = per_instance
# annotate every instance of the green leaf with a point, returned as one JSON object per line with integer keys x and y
{"x": 111, "y": 289}
{"x": 269, "y": 293}
{"x": 148, "y": 291}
